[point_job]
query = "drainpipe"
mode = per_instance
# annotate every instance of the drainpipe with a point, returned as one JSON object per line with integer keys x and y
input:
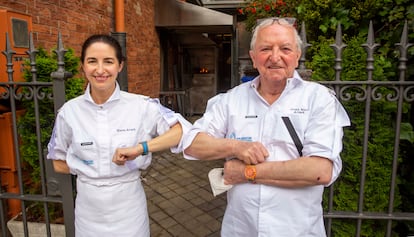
{"x": 120, "y": 35}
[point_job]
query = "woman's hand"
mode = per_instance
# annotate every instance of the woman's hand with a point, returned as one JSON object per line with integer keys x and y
{"x": 124, "y": 154}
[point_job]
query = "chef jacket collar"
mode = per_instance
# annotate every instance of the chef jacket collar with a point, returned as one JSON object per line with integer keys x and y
{"x": 115, "y": 95}
{"x": 292, "y": 82}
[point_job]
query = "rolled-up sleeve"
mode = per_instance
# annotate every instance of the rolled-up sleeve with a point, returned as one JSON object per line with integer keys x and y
{"x": 325, "y": 132}
{"x": 212, "y": 122}
{"x": 341, "y": 120}
{"x": 59, "y": 141}
{"x": 171, "y": 118}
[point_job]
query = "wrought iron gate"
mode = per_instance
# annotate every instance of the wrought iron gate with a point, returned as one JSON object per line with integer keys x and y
{"x": 401, "y": 92}
{"x": 55, "y": 188}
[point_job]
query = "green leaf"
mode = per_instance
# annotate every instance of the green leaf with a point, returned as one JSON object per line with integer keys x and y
{"x": 407, "y": 132}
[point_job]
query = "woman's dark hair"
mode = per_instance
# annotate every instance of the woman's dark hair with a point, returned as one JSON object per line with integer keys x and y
{"x": 107, "y": 39}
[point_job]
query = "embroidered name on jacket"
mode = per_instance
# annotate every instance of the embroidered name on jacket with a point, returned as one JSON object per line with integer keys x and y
{"x": 126, "y": 130}
{"x": 299, "y": 110}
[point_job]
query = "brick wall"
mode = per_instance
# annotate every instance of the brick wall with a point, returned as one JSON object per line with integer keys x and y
{"x": 143, "y": 48}
{"x": 77, "y": 19}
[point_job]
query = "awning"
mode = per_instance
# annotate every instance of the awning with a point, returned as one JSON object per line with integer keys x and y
{"x": 176, "y": 14}
{"x": 223, "y": 4}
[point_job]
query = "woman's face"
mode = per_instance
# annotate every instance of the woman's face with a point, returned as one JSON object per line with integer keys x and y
{"x": 101, "y": 68}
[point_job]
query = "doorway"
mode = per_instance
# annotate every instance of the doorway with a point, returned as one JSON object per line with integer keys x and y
{"x": 197, "y": 64}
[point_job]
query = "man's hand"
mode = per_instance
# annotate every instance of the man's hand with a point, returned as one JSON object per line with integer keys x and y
{"x": 122, "y": 155}
{"x": 234, "y": 172}
{"x": 251, "y": 153}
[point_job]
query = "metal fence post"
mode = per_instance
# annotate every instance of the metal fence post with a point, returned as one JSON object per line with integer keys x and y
{"x": 64, "y": 180}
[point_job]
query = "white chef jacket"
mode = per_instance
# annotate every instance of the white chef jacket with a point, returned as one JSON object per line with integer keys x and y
{"x": 110, "y": 199}
{"x": 241, "y": 113}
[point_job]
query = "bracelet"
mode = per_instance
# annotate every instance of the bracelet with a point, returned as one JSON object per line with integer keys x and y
{"x": 145, "y": 148}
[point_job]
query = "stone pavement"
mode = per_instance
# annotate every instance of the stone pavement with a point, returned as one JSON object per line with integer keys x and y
{"x": 180, "y": 201}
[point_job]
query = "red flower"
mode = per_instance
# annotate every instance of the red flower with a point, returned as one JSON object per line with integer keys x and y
{"x": 281, "y": 3}
{"x": 264, "y": 8}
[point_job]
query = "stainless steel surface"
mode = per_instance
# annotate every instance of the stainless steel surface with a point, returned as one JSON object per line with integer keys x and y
{"x": 195, "y": 39}
{"x": 181, "y": 15}
{"x": 223, "y": 4}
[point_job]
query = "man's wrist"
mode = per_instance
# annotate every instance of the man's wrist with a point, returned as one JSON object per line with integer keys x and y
{"x": 234, "y": 147}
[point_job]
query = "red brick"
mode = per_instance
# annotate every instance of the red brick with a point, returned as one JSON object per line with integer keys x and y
{"x": 76, "y": 20}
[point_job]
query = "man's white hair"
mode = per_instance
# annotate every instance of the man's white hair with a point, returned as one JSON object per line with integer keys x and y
{"x": 270, "y": 21}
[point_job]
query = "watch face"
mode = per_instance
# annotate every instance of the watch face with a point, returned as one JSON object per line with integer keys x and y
{"x": 250, "y": 172}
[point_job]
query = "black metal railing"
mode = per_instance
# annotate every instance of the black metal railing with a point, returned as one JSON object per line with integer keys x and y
{"x": 55, "y": 188}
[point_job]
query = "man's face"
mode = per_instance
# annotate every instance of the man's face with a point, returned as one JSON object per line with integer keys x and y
{"x": 275, "y": 54}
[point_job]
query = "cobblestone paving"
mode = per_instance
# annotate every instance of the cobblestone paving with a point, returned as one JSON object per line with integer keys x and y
{"x": 180, "y": 201}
